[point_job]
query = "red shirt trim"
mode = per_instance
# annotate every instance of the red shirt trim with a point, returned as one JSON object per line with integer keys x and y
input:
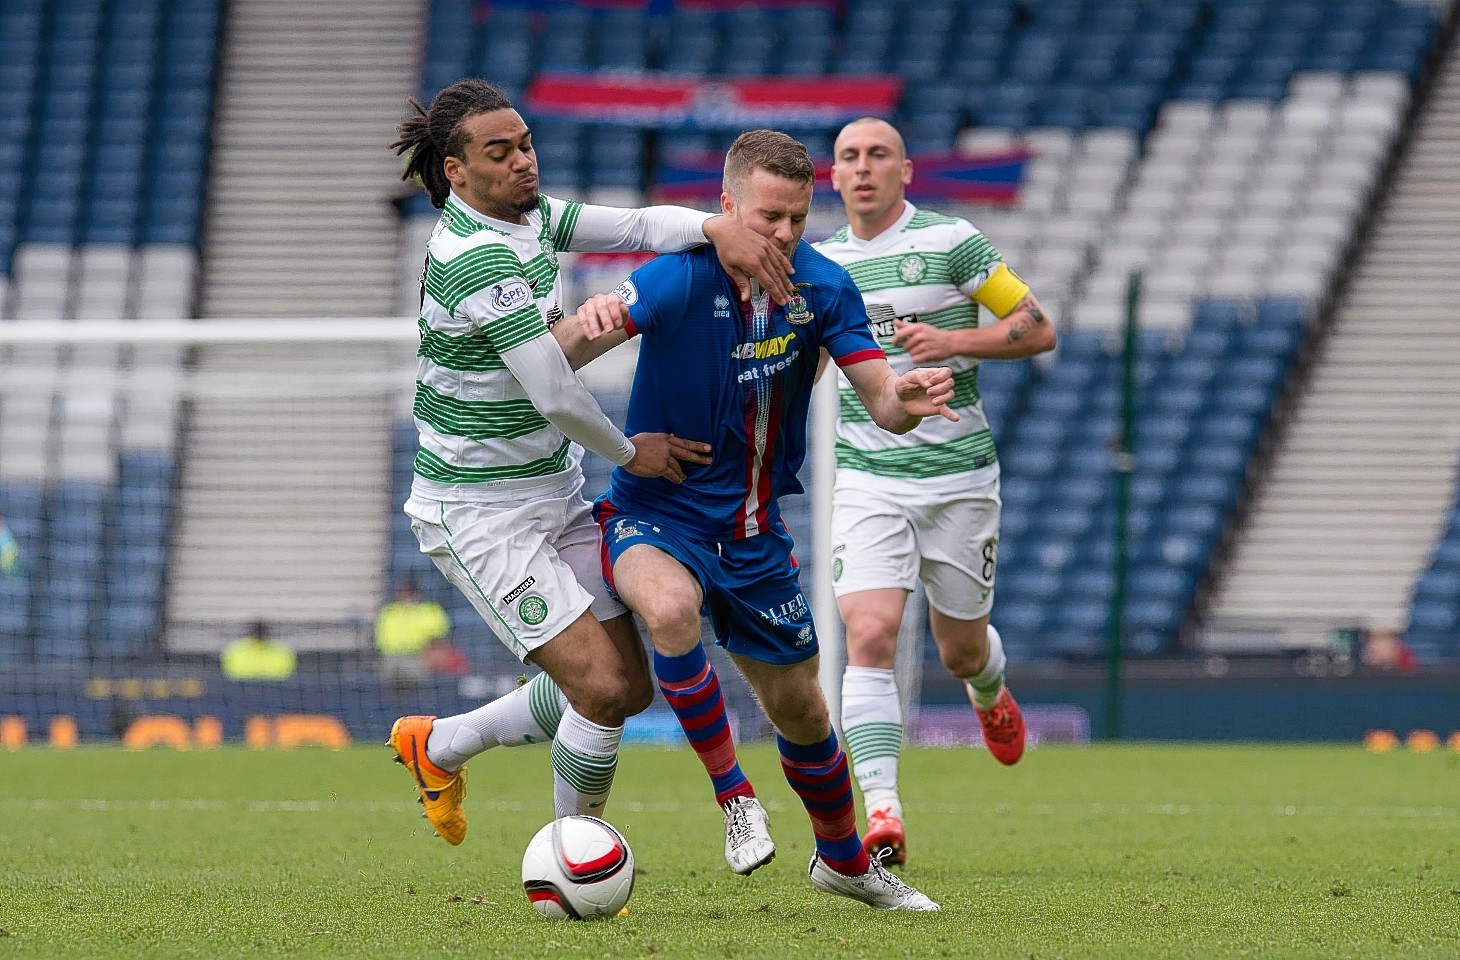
{"x": 857, "y": 356}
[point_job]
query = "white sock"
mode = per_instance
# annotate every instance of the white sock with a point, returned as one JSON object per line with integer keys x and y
{"x": 882, "y": 799}
{"x": 985, "y": 685}
{"x": 585, "y": 756}
{"x": 529, "y": 714}
{"x": 872, "y": 728}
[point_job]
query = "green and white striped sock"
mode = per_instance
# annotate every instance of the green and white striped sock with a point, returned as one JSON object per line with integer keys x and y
{"x": 585, "y": 756}
{"x": 872, "y": 728}
{"x": 529, "y": 714}
{"x": 985, "y": 685}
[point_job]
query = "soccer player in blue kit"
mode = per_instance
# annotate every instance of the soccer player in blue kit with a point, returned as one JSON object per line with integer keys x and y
{"x": 739, "y": 375}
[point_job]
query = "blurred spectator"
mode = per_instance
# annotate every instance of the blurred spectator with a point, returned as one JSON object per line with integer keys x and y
{"x": 1386, "y": 650}
{"x": 405, "y": 628}
{"x": 9, "y": 552}
{"x": 258, "y": 656}
{"x": 443, "y": 658}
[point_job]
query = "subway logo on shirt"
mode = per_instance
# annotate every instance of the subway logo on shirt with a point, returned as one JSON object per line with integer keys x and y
{"x": 760, "y": 349}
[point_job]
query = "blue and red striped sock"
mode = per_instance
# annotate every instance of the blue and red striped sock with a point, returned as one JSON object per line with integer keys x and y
{"x": 692, "y": 688}
{"x": 818, "y": 774}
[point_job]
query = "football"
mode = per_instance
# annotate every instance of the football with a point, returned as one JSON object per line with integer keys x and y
{"x": 578, "y": 868}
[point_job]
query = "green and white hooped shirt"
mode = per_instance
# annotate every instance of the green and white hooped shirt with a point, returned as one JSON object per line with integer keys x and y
{"x": 925, "y": 267}
{"x": 489, "y": 286}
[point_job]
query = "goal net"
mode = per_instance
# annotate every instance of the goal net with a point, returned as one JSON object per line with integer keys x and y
{"x": 170, "y": 487}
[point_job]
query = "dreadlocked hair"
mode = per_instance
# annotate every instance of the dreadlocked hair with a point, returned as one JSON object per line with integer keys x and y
{"x": 431, "y": 134}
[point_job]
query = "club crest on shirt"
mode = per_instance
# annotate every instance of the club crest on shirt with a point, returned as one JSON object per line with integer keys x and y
{"x": 911, "y": 268}
{"x": 798, "y": 311}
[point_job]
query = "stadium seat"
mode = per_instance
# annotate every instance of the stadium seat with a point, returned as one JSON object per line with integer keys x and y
{"x": 1151, "y": 625}
{"x": 1219, "y": 491}
{"x": 570, "y": 28}
{"x": 1088, "y": 584}
{"x": 1438, "y": 584}
{"x": 1446, "y": 555}
{"x": 127, "y": 628}
{"x": 1435, "y": 618}
{"x": 1220, "y": 428}
{"x": 1280, "y": 311}
{"x": 1022, "y": 618}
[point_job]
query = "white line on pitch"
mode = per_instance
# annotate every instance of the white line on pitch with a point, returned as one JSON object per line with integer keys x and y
{"x": 330, "y": 805}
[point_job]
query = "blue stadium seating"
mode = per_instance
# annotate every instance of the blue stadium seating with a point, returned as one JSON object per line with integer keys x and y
{"x": 115, "y": 82}
{"x": 1201, "y": 411}
{"x": 93, "y": 558}
{"x": 1434, "y": 617}
{"x": 1203, "y": 402}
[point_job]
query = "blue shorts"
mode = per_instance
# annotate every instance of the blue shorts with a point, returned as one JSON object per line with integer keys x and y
{"x": 752, "y": 587}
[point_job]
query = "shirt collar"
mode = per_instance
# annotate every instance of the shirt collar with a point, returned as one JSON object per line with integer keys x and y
{"x": 526, "y": 230}
{"x": 897, "y": 226}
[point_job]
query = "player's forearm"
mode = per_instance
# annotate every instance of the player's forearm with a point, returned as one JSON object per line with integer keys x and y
{"x": 662, "y": 229}
{"x": 1026, "y": 331}
{"x": 579, "y": 350}
{"x": 578, "y": 415}
{"x": 562, "y": 399}
{"x": 886, "y": 408}
{"x": 876, "y": 385}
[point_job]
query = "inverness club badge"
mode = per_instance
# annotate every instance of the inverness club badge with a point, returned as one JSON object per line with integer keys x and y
{"x": 798, "y": 311}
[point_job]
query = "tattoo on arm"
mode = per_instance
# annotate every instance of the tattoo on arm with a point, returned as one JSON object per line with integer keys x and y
{"x": 1021, "y": 325}
{"x": 1027, "y": 305}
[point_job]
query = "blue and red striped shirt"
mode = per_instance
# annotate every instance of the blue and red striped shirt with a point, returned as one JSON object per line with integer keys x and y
{"x": 735, "y": 375}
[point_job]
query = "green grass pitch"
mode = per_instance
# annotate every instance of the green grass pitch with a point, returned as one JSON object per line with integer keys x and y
{"x": 1078, "y": 852}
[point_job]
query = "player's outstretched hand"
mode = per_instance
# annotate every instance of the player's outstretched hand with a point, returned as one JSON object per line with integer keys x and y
{"x": 926, "y": 391}
{"x": 602, "y": 313}
{"x": 746, "y": 255}
{"x": 658, "y": 455}
{"x": 923, "y": 342}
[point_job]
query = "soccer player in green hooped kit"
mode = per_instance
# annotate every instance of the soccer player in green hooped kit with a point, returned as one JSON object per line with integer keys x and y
{"x": 923, "y": 505}
{"x": 496, "y": 502}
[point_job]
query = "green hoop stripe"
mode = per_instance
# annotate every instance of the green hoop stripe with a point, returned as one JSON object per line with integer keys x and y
{"x": 920, "y": 462}
{"x": 432, "y": 467}
{"x": 542, "y": 700}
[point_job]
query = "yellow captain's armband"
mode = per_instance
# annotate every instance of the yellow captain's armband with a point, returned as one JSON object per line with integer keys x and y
{"x": 1002, "y": 291}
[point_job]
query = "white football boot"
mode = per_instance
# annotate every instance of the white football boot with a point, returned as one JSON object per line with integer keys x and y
{"x": 748, "y": 843}
{"x": 877, "y": 888}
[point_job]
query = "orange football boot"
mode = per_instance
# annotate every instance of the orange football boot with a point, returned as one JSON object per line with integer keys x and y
{"x": 441, "y": 793}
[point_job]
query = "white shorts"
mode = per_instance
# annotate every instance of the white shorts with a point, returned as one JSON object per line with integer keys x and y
{"x": 530, "y": 568}
{"x": 948, "y": 539}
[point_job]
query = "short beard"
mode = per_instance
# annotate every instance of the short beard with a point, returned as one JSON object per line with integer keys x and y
{"x": 525, "y": 207}
{"x": 512, "y": 208}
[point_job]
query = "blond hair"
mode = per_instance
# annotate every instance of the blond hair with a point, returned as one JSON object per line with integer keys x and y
{"x": 767, "y": 150}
